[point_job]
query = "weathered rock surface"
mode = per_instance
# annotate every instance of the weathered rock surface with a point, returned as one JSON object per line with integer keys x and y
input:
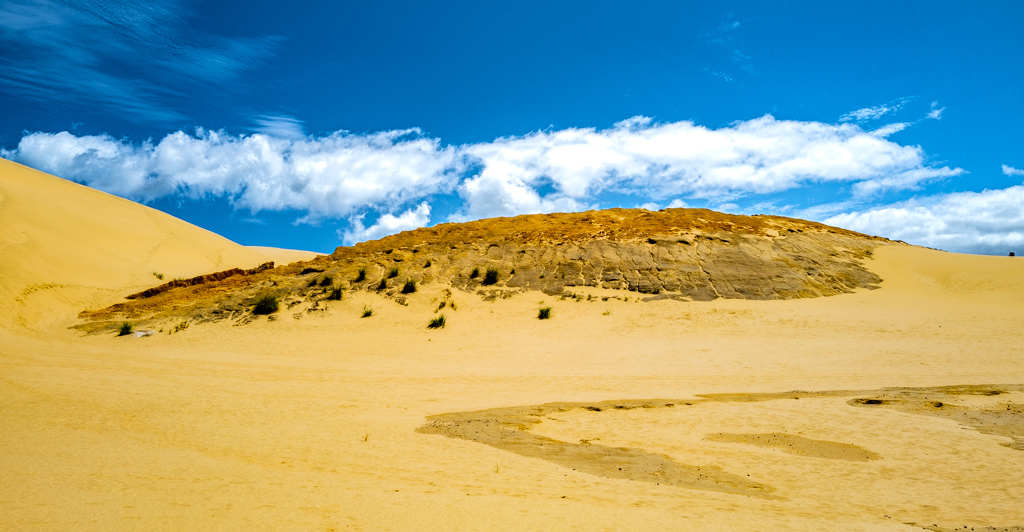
{"x": 686, "y": 254}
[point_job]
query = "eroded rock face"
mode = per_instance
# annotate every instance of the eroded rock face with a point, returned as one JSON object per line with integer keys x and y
{"x": 694, "y": 266}
{"x": 686, "y": 254}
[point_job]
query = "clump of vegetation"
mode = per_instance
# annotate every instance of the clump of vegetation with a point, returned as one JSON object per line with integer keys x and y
{"x": 361, "y": 276}
{"x": 409, "y": 287}
{"x": 441, "y": 305}
{"x": 158, "y": 275}
{"x": 606, "y": 313}
{"x": 393, "y": 273}
{"x": 544, "y": 313}
{"x": 335, "y": 294}
{"x": 383, "y": 284}
{"x": 267, "y": 304}
{"x": 427, "y": 264}
{"x": 180, "y": 327}
{"x": 437, "y": 323}
{"x": 126, "y": 329}
{"x": 327, "y": 281}
{"x": 491, "y": 277}
{"x": 475, "y": 273}
{"x": 367, "y": 311}
{"x": 312, "y": 282}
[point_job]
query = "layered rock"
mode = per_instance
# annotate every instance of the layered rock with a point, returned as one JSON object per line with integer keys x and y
{"x": 686, "y": 254}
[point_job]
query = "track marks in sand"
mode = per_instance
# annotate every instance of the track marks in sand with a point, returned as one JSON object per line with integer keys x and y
{"x": 798, "y": 445}
{"x": 508, "y": 429}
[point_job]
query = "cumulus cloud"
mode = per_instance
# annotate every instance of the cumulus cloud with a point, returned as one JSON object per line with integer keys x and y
{"x": 652, "y": 160}
{"x": 1011, "y": 171}
{"x": 345, "y": 175}
{"x": 387, "y": 224}
{"x": 991, "y": 221}
{"x": 332, "y": 176}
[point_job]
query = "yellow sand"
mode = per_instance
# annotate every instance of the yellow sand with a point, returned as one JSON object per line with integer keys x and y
{"x": 310, "y": 424}
{"x": 64, "y": 247}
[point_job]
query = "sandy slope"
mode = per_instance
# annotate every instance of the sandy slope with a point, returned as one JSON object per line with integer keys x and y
{"x": 311, "y": 423}
{"x": 64, "y": 246}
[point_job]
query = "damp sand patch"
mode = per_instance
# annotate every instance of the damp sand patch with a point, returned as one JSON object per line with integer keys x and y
{"x": 508, "y": 429}
{"x": 800, "y": 446}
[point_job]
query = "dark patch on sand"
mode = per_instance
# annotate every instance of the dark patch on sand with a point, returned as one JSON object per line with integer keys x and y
{"x": 798, "y": 445}
{"x": 508, "y": 429}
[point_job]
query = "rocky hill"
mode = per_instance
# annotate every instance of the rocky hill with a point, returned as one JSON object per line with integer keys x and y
{"x": 684, "y": 254}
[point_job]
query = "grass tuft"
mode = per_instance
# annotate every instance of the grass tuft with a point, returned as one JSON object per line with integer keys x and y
{"x": 475, "y": 273}
{"x": 383, "y": 284}
{"x": 367, "y": 311}
{"x": 544, "y": 313}
{"x": 361, "y": 276}
{"x": 409, "y": 287}
{"x": 158, "y": 275}
{"x": 267, "y": 304}
{"x": 491, "y": 277}
{"x": 327, "y": 281}
{"x": 126, "y": 329}
{"x": 437, "y": 323}
{"x": 426, "y": 264}
{"x": 393, "y": 273}
{"x": 335, "y": 294}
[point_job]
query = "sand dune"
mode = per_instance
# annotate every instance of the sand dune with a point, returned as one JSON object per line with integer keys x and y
{"x": 65, "y": 247}
{"x": 313, "y": 420}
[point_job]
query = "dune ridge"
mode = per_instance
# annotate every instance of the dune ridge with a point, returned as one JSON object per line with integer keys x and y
{"x": 65, "y": 246}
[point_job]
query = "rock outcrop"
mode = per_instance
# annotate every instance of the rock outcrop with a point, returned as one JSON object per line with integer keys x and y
{"x": 685, "y": 254}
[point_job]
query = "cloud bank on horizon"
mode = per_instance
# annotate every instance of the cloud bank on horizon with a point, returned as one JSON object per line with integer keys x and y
{"x": 396, "y": 174}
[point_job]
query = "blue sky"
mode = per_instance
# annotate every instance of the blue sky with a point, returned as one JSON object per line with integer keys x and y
{"x": 328, "y": 123}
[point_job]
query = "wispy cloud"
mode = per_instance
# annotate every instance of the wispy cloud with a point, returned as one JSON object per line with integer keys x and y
{"x": 890, "y": 129}
{"x": 115, "y": 55}
{"x": 876, "y": 112}
{"x": 936, "y": 112}
{"x": 284, "y": 127}
{"x": 1011, "y": 171}
{"x": 722, "y": 76}
{"x": 728, "y": 38}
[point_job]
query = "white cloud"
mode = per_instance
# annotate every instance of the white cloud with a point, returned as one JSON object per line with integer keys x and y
{"x": 655, "y": 161}
{"x": 333, "y": 176}
{"x": 907, "y": 180}
{"x": 874, "y": 113}
{"x": 890, "y": 129}
{"x": 387, "y": 224}
{"x": 1011, "y": 171}
{"x": 284, "y": 127}
{"x": 991, "y": 221}
{"x": 936, "y": 111}
{"x": 344, "y": 175}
